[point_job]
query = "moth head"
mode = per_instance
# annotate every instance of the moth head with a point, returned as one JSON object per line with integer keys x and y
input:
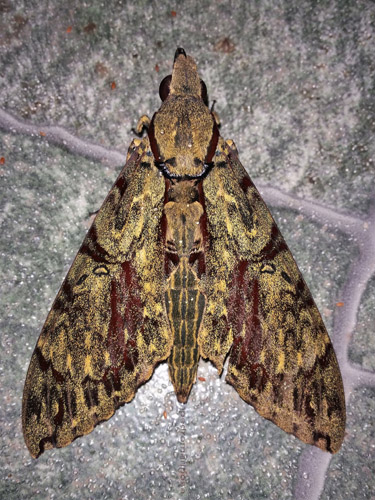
{"x": 184, "y": 80}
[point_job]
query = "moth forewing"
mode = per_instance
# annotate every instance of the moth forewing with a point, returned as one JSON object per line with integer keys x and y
{"x": 282, "y": 360}
{"x": 102, "y": 338}
{"x": 183, "y": 260}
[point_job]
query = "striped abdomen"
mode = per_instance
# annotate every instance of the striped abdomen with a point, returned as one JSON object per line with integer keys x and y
{"x": 184, "y": 301}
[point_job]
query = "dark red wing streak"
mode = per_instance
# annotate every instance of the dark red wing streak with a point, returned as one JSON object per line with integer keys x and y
{"x": 203, "y": 221}
{"x": 35, "y": 406}
{"x": 121, "y": 185}
{"x": 71, "y": 403}
{"x": 134, "y": 320}
{"x": 167, "y": 255}
{"x": 246, "y": 183}
{"x": 246, "y": 349}
{"x": 112, "y": 383}
{"x": 151, "y": 138}
{"x": 317, "y": 436}
{"x": 199, "y": 256}
{"x": 44, "y": 441}
{"x": 116, "y": 337}
{"x": 45, "y": 365}
{"x": 58, "y": 418}
{"x": 171, "y": 259}
{"x": 124, "y": 296}
{"x": 64, "y": 300}
{"x": 274, "y": 247}
{"x": 92, "y": 248}
{"x": 213, "y": 142}
{"x": 248, "y": 346}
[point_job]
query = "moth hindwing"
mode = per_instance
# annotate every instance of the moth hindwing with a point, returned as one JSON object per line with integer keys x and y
{"x": 183, "y": 260}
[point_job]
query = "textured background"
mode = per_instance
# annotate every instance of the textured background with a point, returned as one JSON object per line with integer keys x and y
{"x": 295, "y": 90}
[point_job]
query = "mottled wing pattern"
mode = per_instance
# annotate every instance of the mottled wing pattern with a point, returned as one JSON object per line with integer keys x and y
{"x": 107, "y": 328}
{"x": 281, "y": 359}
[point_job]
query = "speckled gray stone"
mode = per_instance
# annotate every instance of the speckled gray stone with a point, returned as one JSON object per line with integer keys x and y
{"x": 297, "y": 96}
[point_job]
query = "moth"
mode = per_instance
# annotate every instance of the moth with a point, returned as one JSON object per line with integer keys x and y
{"x": 183, "y": 261}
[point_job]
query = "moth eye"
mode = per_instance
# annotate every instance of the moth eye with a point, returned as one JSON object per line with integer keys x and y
{"x": 204, "y": 94}
{"x": 165, "y": 87}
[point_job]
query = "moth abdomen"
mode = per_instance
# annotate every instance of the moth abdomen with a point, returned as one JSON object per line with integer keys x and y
{"x": 185, "y": 306}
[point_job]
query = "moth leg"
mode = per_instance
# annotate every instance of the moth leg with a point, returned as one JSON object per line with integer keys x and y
{"x": 231, "y": 145}
{"x": 133, "y": 146}
{"x": 216, "y": 117}
{"x": 143, "y": 123}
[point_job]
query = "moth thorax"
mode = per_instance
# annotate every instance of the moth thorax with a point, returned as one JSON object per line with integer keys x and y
{"x": 183, "y": 192}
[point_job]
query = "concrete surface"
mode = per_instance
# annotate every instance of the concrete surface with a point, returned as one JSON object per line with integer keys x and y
{"x": 294, "y": 88}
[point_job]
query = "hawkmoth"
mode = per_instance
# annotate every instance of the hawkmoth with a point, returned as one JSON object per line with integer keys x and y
{"x": 183, "y": 260}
